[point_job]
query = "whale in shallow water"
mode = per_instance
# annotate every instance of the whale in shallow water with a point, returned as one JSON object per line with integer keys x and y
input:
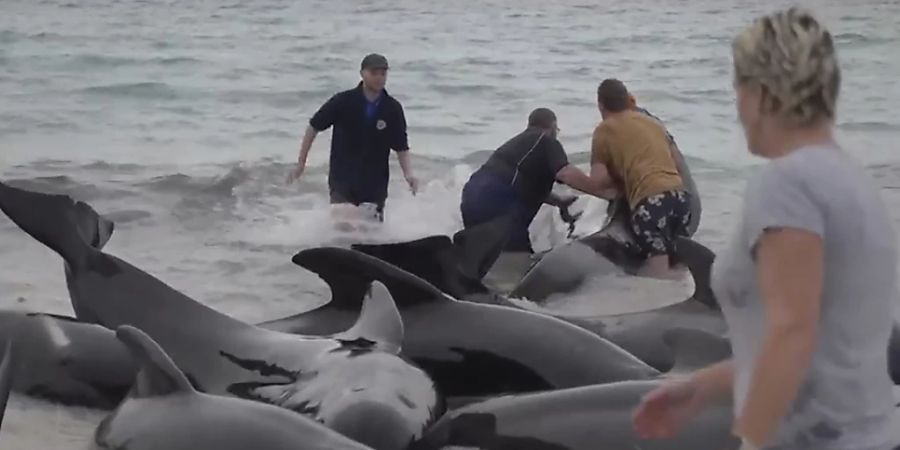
{"x": 65, "y": 361}
{"x": 566, "y": 267}
{"x": 469, "y": 349}
{"x": 456, "y": 267}
{"x": 345, "y": 380}
{"x": 163, "y": 411}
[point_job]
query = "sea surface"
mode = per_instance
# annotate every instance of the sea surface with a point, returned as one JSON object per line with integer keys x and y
{"x": 180, "y": 120}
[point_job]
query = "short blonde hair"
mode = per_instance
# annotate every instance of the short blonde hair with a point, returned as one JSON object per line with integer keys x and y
{"x": 792, "y": 57}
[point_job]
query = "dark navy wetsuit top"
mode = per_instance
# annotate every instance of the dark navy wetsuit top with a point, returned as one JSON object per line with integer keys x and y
{"x": 528, "y": 163}
{"x": 363, "y": 135}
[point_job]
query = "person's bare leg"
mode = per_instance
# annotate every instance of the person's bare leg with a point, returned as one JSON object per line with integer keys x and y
{"x": 344, "y": 216}
{"x": 657, "y": 266}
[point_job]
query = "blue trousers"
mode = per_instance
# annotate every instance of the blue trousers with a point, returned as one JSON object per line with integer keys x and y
{"x": 485, "y": 197}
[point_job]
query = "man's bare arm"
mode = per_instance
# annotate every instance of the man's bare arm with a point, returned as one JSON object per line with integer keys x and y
{"x": 577, "y": 179}
{"x": 306, "y": 144}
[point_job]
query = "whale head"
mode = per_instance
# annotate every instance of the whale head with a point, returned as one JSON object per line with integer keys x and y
{"x": 361, "y": 386}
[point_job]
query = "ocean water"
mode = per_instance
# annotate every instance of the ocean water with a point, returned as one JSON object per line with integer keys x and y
{"x": 181, "y": 120}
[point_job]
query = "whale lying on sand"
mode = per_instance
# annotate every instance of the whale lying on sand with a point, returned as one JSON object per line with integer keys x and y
{"x": 65, "y": 361}
{"x": 469, "y": 349}
{"x": 583, "y": 418}
{"x": 224, "y": 356}
{"x": 163, "y": 411}
{"x": 456, "y": 267}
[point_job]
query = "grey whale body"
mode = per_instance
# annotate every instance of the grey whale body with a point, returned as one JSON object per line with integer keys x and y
{"x": 469, "y": 349}
{"x": 65, "y": 361}
{"x": 223, "y": 356}
{"x": 163, "y": 411}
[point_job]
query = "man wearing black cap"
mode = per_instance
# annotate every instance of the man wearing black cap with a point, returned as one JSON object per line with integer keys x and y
{"x": 518, "y": 178}
{"x": 368, "y": 123}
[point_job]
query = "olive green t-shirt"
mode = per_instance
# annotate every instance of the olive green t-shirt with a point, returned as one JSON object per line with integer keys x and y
{"x": 636, "y": 151}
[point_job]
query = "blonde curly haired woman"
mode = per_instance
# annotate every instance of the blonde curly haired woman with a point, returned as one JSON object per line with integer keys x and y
{"x": 807, "y": 285}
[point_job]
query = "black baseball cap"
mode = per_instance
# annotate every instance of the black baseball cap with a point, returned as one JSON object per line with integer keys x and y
{"x": 374, "y": 61}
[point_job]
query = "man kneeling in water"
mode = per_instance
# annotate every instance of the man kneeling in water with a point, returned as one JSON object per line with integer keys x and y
{"x": 631, "y": 150}
{"x": 518, "y": 178}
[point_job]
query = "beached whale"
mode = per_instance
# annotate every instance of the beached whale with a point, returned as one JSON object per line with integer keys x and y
{"x": 457, "y": 267}
{"x": 587, "y": 417}
{"x": 345, "y": 380}
{"x": 163, "y": 411}
{"x": 469, "y": 349}
{"x": 65, "y": 361}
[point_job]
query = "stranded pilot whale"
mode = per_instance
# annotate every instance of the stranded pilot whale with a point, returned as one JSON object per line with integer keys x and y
{"x": 469, "y": 349}
{"x": 457, "y": 266}
{"x": 65, "y": 361}
{"x": 582, "y": 418}
{"x": 7, "y": 377}
{"x": 345, "y": 380}
{"x": 566, "y": 267}
{"x": 586, "y": 417}
{"x": 163, "y": 411}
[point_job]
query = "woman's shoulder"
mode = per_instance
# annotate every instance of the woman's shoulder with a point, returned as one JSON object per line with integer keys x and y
{"x": 812, "y": 167}
{"x": 822, "y": 177}
{"x": 810, "y": 177}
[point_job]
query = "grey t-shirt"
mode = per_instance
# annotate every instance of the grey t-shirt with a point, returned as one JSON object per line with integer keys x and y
{"x": 845, "y": 402}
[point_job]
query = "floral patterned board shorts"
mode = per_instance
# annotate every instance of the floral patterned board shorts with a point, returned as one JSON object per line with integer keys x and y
{"x": 658, "y": 219}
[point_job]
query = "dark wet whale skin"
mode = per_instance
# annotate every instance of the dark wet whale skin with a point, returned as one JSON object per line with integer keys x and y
{"x": 221, "y": 355}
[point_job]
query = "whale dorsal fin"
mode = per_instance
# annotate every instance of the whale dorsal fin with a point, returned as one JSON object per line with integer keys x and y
{"x": 455, "y": 267}
{"x": 379, "y": 320}
{"x": 431, "y": 258}
{"x": 350, "y": 272}
{"x": 6, "y": 377}
{"x": 157, "y": 375}
{"x": 694, "y": 349}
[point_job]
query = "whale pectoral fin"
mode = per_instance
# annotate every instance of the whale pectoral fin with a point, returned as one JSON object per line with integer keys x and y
{"x": 477, "y": 248}
{"x": 157, "y": 374}
{"x": 349, "y": 272}
{"x": 693, "y": 349}
{"x": 6, "y": 377}
{"x": 379, "y": 321}
{"x": 699, "y": 260}
{"x": 894, "y": 354}
{"x": 51, "y": 219}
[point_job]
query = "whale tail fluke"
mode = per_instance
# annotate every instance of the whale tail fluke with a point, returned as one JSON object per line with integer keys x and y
{"x": 65, "y": 225}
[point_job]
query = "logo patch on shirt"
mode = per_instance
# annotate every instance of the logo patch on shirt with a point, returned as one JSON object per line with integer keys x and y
{"x": 380, "y": 124}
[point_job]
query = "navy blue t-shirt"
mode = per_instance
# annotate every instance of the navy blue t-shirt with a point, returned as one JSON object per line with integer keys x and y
{"x": 364, "y": 133}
